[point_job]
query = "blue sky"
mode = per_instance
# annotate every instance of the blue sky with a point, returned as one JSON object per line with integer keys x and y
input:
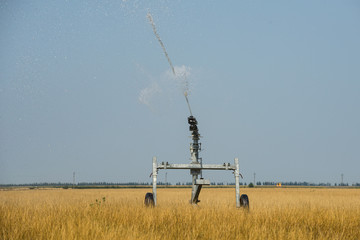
{"x": 274, "y": 83}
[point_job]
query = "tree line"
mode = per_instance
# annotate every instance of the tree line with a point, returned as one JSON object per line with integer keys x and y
{"x": 62, "y": 184}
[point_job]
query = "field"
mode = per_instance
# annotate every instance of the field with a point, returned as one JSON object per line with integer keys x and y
{"x": 275, "y": 213}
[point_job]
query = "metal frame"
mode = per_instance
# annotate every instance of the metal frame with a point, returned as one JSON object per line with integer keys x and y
{"x": 196, "y": 166}
{"x": 197, "y": 184}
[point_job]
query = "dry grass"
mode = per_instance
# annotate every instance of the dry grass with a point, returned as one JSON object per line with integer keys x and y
{"x": 275, "y": 214}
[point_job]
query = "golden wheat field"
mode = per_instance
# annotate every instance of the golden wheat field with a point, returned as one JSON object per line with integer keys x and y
{"x": 275, "y": 213}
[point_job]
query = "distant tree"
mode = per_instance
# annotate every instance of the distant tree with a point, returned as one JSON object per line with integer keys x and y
{"x": 251, "y": 185}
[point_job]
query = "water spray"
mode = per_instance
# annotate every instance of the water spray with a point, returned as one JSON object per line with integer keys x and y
{"x": 187, "y": 100}
{"x": 151, "y": 20}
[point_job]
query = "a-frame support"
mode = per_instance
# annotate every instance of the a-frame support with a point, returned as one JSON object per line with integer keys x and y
{"x": 198, "y": 183}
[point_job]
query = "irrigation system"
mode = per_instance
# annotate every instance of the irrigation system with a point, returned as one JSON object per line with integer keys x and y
{"x": 196, "y": 167}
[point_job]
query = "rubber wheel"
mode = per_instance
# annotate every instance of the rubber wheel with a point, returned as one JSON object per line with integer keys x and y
{"x": 244, "y": 201}
{"x": 149, "y": 200}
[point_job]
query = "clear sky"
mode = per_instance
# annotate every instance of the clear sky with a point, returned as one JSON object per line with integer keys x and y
{"x": 85, "y": 87}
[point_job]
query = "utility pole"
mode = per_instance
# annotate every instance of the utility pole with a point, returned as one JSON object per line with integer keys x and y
{"x": 73, "y": 179}
{"x": 254, "y": 179}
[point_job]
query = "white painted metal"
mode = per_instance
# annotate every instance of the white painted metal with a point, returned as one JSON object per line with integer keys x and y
{"x": 237, "y": 184}
{"x": 202, "y": 182}
{"x": 225, "y": 166}
{"x": 154, "y": 175}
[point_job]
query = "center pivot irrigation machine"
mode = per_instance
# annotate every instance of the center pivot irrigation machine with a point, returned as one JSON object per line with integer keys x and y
{"x": 196, "y": 166}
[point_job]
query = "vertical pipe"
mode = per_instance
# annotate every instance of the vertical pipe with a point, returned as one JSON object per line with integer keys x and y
{"x": 193, "y": 188}
{"x": 237, "y": 187}
{"x": 154, "y": 174}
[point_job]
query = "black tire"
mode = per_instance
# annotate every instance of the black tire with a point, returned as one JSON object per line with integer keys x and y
{"x": 244, "y": 202}
{"x": 149, "y": 200}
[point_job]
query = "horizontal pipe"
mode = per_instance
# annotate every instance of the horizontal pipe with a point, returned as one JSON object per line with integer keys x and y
{"x": 197, "y": 166}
